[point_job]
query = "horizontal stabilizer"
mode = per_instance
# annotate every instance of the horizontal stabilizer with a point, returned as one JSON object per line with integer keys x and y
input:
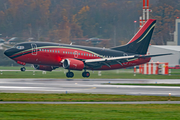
{"x": 148, "y": 56}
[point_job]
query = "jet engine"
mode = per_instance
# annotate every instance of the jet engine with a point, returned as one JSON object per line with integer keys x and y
{"x": 44, "y": 67}
{"x": 73, "y": 64}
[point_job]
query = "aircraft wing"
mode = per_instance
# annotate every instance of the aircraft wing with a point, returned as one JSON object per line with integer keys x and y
{"x": 119, "y": 60}
{"x": 107, "y": 61}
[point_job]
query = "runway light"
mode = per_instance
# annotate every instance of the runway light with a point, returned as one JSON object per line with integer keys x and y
{"x": 169, "y": 97}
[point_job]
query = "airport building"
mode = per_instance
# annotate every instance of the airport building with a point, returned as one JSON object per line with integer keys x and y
{"x": 173, "y": 59}
{"x": 176, "y": 34}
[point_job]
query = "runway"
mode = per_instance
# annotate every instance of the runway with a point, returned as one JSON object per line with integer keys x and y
{"x": 94, "y": 86}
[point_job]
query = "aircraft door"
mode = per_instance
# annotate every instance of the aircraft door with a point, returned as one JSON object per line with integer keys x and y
{"x": 34, "y": 49}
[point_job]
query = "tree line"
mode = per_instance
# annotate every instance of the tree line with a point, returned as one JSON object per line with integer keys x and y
{"x": 62, "y": 20}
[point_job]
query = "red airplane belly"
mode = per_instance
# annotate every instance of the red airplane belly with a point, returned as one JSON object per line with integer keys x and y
{"x": 40, "y": 58}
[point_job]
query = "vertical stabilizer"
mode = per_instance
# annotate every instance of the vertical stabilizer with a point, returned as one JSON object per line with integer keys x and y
{"x": 140, "y": 42}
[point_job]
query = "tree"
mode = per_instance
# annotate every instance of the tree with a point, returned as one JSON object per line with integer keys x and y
{"x": 165, "y": 14}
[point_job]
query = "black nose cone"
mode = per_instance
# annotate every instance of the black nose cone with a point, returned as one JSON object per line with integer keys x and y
{"x": 8, "y": 52}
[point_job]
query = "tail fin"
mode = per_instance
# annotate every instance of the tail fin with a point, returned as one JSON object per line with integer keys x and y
{"x": 140, "y": 42}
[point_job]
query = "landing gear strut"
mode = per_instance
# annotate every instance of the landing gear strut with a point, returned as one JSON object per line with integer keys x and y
{"x": 69, "y": 74}
{"x": 85, "y": 74}
{"x": 23, "y": 69}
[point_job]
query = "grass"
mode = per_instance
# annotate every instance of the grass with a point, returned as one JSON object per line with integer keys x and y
{"x": 89, "y": 112}
{"x": 60, "y": 73}
{"x": 80, "y": 97}
{"x": 78, "y": 74}
{"x": 14, "y": 68}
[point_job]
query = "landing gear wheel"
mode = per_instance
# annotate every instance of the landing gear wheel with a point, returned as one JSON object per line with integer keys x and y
{"x": 86, "y": 74}
{"x": 23, "y": 69}
{"x": 69, "y": 74}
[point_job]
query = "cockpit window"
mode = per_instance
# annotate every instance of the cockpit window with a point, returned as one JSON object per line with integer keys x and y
{"x": 20, "y": 47}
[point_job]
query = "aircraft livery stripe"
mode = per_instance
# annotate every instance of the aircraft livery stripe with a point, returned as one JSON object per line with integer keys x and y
{"x": 48, "y": 47}
{"x": 146, "y": 33}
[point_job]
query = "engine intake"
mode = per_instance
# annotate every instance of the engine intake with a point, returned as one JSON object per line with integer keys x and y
{"x": 73, "y": 64}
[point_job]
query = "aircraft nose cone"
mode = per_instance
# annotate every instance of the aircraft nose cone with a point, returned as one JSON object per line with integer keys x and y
{"x": 8, "y": 52}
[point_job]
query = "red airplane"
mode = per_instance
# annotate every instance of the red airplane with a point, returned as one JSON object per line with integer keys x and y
{"x": 49, "y": 56}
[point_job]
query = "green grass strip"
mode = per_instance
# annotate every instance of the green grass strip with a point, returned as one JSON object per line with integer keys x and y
{"x": 81, "y": 97}
{"x": 78, "y": 75}
{"x": 61, "y": 73}
{"x": 89, "y": 112}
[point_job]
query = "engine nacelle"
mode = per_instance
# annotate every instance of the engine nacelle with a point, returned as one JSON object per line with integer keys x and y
{"x": 73, "y": 64}
{"x": 44, "y": 67}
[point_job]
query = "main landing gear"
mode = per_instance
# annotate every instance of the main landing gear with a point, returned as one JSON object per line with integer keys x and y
{"x": 23, "y": 69}
{"x": 85, "y": 74}
{"x": 71, "y": 74}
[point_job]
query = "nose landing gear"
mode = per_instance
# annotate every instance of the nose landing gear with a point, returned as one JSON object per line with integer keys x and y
{"x": 23, "y": 69}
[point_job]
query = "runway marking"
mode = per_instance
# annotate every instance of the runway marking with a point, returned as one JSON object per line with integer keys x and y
{"x": 13, "y": 87}
{"x": 136, "y": 86}
{"x": 41, "y": 88}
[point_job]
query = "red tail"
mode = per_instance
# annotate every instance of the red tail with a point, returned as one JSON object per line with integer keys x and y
{"x": 140, "y": 42}
{"x": 142, "y": 30}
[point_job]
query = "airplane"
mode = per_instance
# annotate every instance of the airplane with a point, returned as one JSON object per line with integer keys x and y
{"x": 49, "y": 56}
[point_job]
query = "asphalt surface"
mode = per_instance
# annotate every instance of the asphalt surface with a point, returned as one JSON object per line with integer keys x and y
{"x": 94, "y": 86}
